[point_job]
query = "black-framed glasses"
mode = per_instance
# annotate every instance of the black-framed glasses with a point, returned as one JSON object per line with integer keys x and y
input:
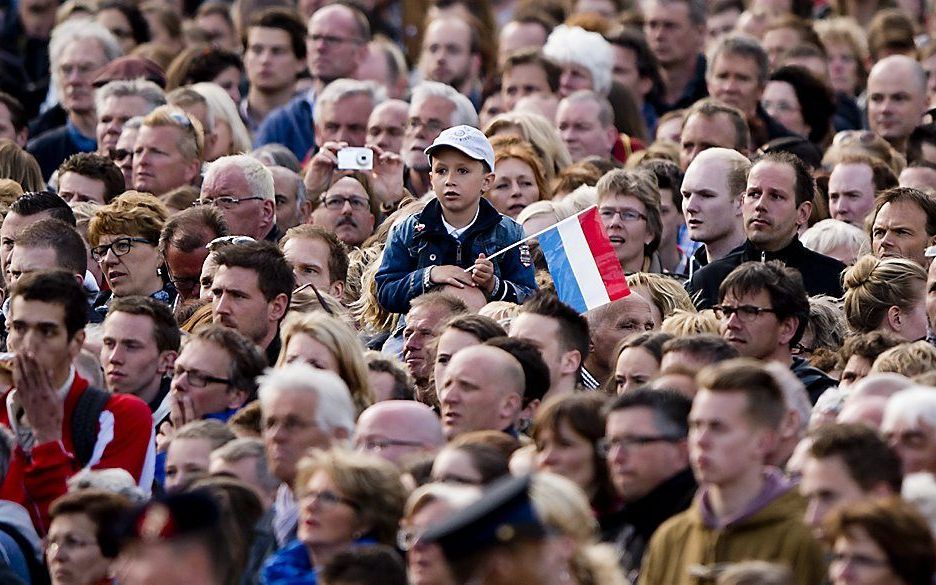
{"x": 337, "y": 203}
{"x": 746, "y": 313}
{"x": 606, "y": 446}
{"x": 119, "y": 247}
{"x": 223, "y": 241}
{"x": 328, "y": 499}
{"x": 198, "y": 379}
{"x": 224, "y": 202}
{"x": 627, "y": 215}
{"x": 800, "y": 349}
{"x": 119, "y": 154}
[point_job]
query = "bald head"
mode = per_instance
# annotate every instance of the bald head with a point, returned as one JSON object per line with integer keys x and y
{"x": 398, "y": 430}
{"x": 896, "y": 98}
{"x": 611, "y": 323}
{"x": 885, "y": 385}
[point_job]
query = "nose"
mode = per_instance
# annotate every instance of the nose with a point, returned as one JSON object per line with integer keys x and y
{"x": 115, "y": 355}
{"x": 346, "y": 208}
{"x": 812, "y": 517}
{"x": 412, "y": 343}
{"x": 690, "y": 205}
{"x": 221, "y": 304}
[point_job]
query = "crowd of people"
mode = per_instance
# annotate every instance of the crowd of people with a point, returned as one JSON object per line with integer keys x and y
{"x": 275, "y": 308}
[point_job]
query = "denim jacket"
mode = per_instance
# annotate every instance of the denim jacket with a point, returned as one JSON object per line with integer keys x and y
{"x": 422, "y": 241}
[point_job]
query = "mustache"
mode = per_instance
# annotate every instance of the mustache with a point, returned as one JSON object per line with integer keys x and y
{"x": 346, "y": 220}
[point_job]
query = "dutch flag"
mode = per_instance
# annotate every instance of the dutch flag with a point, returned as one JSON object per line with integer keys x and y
{"x": 582, "y": 262}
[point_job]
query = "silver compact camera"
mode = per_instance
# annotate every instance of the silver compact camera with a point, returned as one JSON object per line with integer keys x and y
{"x": 355, "y": 158}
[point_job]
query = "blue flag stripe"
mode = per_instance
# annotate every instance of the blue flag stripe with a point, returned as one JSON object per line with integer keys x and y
{"x": 561, "y": 271}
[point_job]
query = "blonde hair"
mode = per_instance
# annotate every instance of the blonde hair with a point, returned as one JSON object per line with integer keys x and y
{"x": 874, "y": 285}
{"x": 342, "y": 342}
{"x": 666, "y": 293}
{"x": 541, "y": 133}
{"x": 191, "y": 143}
{"x": 685, "y": 323}
{"x": 907, "y": 359}
{"x": 222, "y": 107}
{"x": 827, "y": 235}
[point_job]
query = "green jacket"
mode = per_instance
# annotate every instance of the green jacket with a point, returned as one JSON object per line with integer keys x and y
{"x": 684, "y": 551}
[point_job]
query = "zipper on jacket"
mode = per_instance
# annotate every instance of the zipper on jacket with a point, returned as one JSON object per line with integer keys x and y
{"x": 763, "y": 256}
{"x": 458, "y": 252}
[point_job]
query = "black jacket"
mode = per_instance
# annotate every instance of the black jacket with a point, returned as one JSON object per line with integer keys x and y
{"x": 815, "y": 380}
{"x": 821, "y": 274}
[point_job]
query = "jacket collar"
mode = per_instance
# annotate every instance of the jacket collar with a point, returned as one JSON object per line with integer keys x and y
{"x": 793, "y": 250}
{"x": 431, "y": 219}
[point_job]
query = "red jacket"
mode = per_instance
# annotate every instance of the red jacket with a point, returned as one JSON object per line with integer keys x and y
{"x": 124, "y": 440}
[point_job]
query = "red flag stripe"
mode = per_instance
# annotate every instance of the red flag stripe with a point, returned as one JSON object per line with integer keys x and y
{"x": 608, "y": 266}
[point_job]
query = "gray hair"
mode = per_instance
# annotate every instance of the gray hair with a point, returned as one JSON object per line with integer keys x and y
{"x": 464, "y": 114}
{"x": 605, "y": 111}
{"x": 133, "y": 123}
{"x": 301, "y": 192}
{"x": 334, "y": 408}
{"x": 244, "y": 448}
{"x": 277, "y": 155}
{"x": 913, "y": 404}
{"x": 151, "y": 93}
{"x": 76, "y": 30}
{"x": 344, "y": 88}
{"x": 794, "y": 393}
{"x": 743, "y": 46}
{"x": 258, "y": 177}
{"x": 573, "y": 44}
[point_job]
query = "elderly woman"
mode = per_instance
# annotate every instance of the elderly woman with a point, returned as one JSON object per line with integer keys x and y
{"x": 326, "y": 343}
{"x": 80, "y": 547}
{"x": 346, "y": 499}
{"x": 638, "y": 360}
{"x": 886, "y": 295}
{"x": 519, "y": 179}
{"x": 629, "y": 206}
{"x": 124, "y": 238}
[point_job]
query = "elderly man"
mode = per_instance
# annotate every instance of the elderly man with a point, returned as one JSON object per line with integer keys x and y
{"x": 117, "y": 102}
{"x": 398, "y": 430}
{"x": 168, "y": 151}
{"x": 386, "y": 125}
{"x": 586, "y": 123}
{"x": 292, "y": 203}
{"x": 451, "y": 54}
{"x": 896, "y": 99}
{"x": 183, "y": 245}
{"x": 909, "y": 426}
{"x": 609, "y": 324}
{"x": 77, "y": 51}
{"x": 342, "y": 110}
{"x": 242, "y": 189}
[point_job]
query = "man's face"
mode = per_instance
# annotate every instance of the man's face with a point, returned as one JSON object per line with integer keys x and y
{"x": 219, "y": 32}
{"x": 672, "y": 37}
{"x": 133, "y": 273}
{"x": 124, "y": 160}
{"x": 269, "y": 60}
{"x": 132, "y": 363}
{"x": 710, "y": 211}
{"x": 519, "y": 35}
{"x": 637, "y": 468}
{"x": 158, "y": 164}
{"x": 248, "y": 217}
{"x": 771, "y": 215}
{"x": 333, "y": 45}
{"x": 723, "y": 443}
{"x": 757, "y": 336}
{"x": 895, "y": 104}
{"x": 625, "y": 70}
{"x": 574, "y": 77}
{"x": 344, "y": 120}
{"x": 422, "y": 328}
{"x": 351, "y": 223}
{"x": 470, "y": 397}
{"x": 309, "y": 260}
{"x": 238, "y": 303}
{"x": 288, "y": 213}
{"x": 204, "y": 358}
{"x": 38, "y": 17}
{"x": 8, "y": 131}
{"x": 115, "y": 111}
{"x": 75, "y": 188}
{"x": 386, "y": 125}
{"x": 623, "y": 318}
{"x": 290, "y": 428}
{"x": 703, "y": 132}
{"x": 776, "y": 42}
{"x": 543, "y": 332}
{"x": 77, "y": 65}
{"x": 185, "y": 269}
{"x": 899, "y": 231}
{"x": 922, "y": 178}
{"x": 391, "y": 430}
{"x": 186, "y": 461}
{"x": 25, "y": 261}
{"x": 581, "y": 130}
{"x": 38, "y": 327}
{"x": 12, "y": 225}
{"x": 733, "y": 80}
{"x": 718, "y": 25}
{"x": 851, "y": 193}
{"x": 856, "y": 369}
{"x": 628, "y": 238}
{"x": 446, "y": 53}
{"x": 458, "y": 180}
{"x": 915, "y": 443}
{"x": 523, "y": 80}
{"x": 427, "y": 119}
{"x": 827, "y": 485}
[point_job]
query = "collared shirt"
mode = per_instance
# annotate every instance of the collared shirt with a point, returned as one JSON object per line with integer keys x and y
{"x": 457, "y": 232}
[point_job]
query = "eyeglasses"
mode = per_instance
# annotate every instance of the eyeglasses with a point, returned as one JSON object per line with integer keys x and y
{"x": 331, "y": 40}
{"x": 858, "y": 561}
{"x": 407, "y": 539}
{"x": 780, "y": 106}
{"x": 431, "y": 126}
{"x": 378, "y": 445}
{"x": 606, "y": 446}
{"x": 199, "y": 379}
{"x": 119, "y": 154}
{"x": 627, "y": 215}
{"x": 337, "y": 203}
{"x": 223, "y": 241}
{"x": 746, "y": 313}
{"x": 119, "y": 247}
{"x": 224, "y": 202}
{"x": 800, "y": 349}
{"x": 184, "y": 283}
{"x": 82, "y": 69}
{"x": 328, "y": 499}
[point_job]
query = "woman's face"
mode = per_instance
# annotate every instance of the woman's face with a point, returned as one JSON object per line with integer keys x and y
{"x": 222, "y": 140}
{"x": 843, "y": 68}
{"x": 625, "y": 220}
{"x": 455, "y": 466}
{"x": 115, "y": 21}
{"x": 303, "y": 347}
{"x": 132, "y": 273}
{"x": 635, "y": 367}
{"x": 514, "y": 187}
{"x": 451, "y": 341}
{"x": 781, "y": 103}
{"x": 72, "y": 552}
{"x": 913, "y": 319}
{"x": 229, "y": 80}
{"x": 858, "y": 560}
{"x": 327, "y": 518}
{"x": 567, "y": 453}
{"x": 425, "y": 563}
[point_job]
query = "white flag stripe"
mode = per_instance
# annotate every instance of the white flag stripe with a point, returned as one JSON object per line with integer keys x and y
{"x": 583, "y": 265}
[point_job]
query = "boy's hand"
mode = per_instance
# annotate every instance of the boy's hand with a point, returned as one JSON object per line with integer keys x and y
{"x": 321, "y": 166}
{"x": 453, "y": 275}
{"x": 482, "y": 274}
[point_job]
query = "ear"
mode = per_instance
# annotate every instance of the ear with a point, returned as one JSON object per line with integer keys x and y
{"x": 22, "y": 137}
{"x": 195, "y": 168}
{"x": 644, "y": 85}
{"x": 570, "y": 361}
{"x": 611, "y": 134}
{"x": 787, "y": 330}
{"x": 166, "y": 361}
{"x": 211, "y": 138}
{"x": 76, "y": 343}
{"x": 278, "y": 307}
{"x": 766, "y": 442}
{"x": 268, "y": 210}
{"x": 236, "y": 398}
{"x": 803, "y": 212}
{"x": 336, "y": 289}
{"x": 487, "y": 183}
{"x": 893, "y": 318}
{"x": 510, "y": 407}
{"x": 305, "y": 212}
{"x": 790, "y": 424}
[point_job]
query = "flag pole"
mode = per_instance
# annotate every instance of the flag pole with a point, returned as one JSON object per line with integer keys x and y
{"x": 537, "y": 234}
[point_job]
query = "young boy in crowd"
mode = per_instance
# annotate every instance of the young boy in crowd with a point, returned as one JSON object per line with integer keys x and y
{"x": 457, "y": 230}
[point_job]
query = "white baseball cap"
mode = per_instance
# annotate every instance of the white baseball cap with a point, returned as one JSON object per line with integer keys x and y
{"x": 466, "y": 139}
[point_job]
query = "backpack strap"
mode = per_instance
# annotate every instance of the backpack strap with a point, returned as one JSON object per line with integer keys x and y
{"x": 84, "y": 422}
{"x": 37, "y": 572}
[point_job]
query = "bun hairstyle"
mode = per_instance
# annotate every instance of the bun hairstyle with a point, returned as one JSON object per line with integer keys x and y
{"x": 874, "y": 285}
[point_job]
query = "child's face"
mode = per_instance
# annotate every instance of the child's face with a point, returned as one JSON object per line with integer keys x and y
{"x": 458, "y": 180}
